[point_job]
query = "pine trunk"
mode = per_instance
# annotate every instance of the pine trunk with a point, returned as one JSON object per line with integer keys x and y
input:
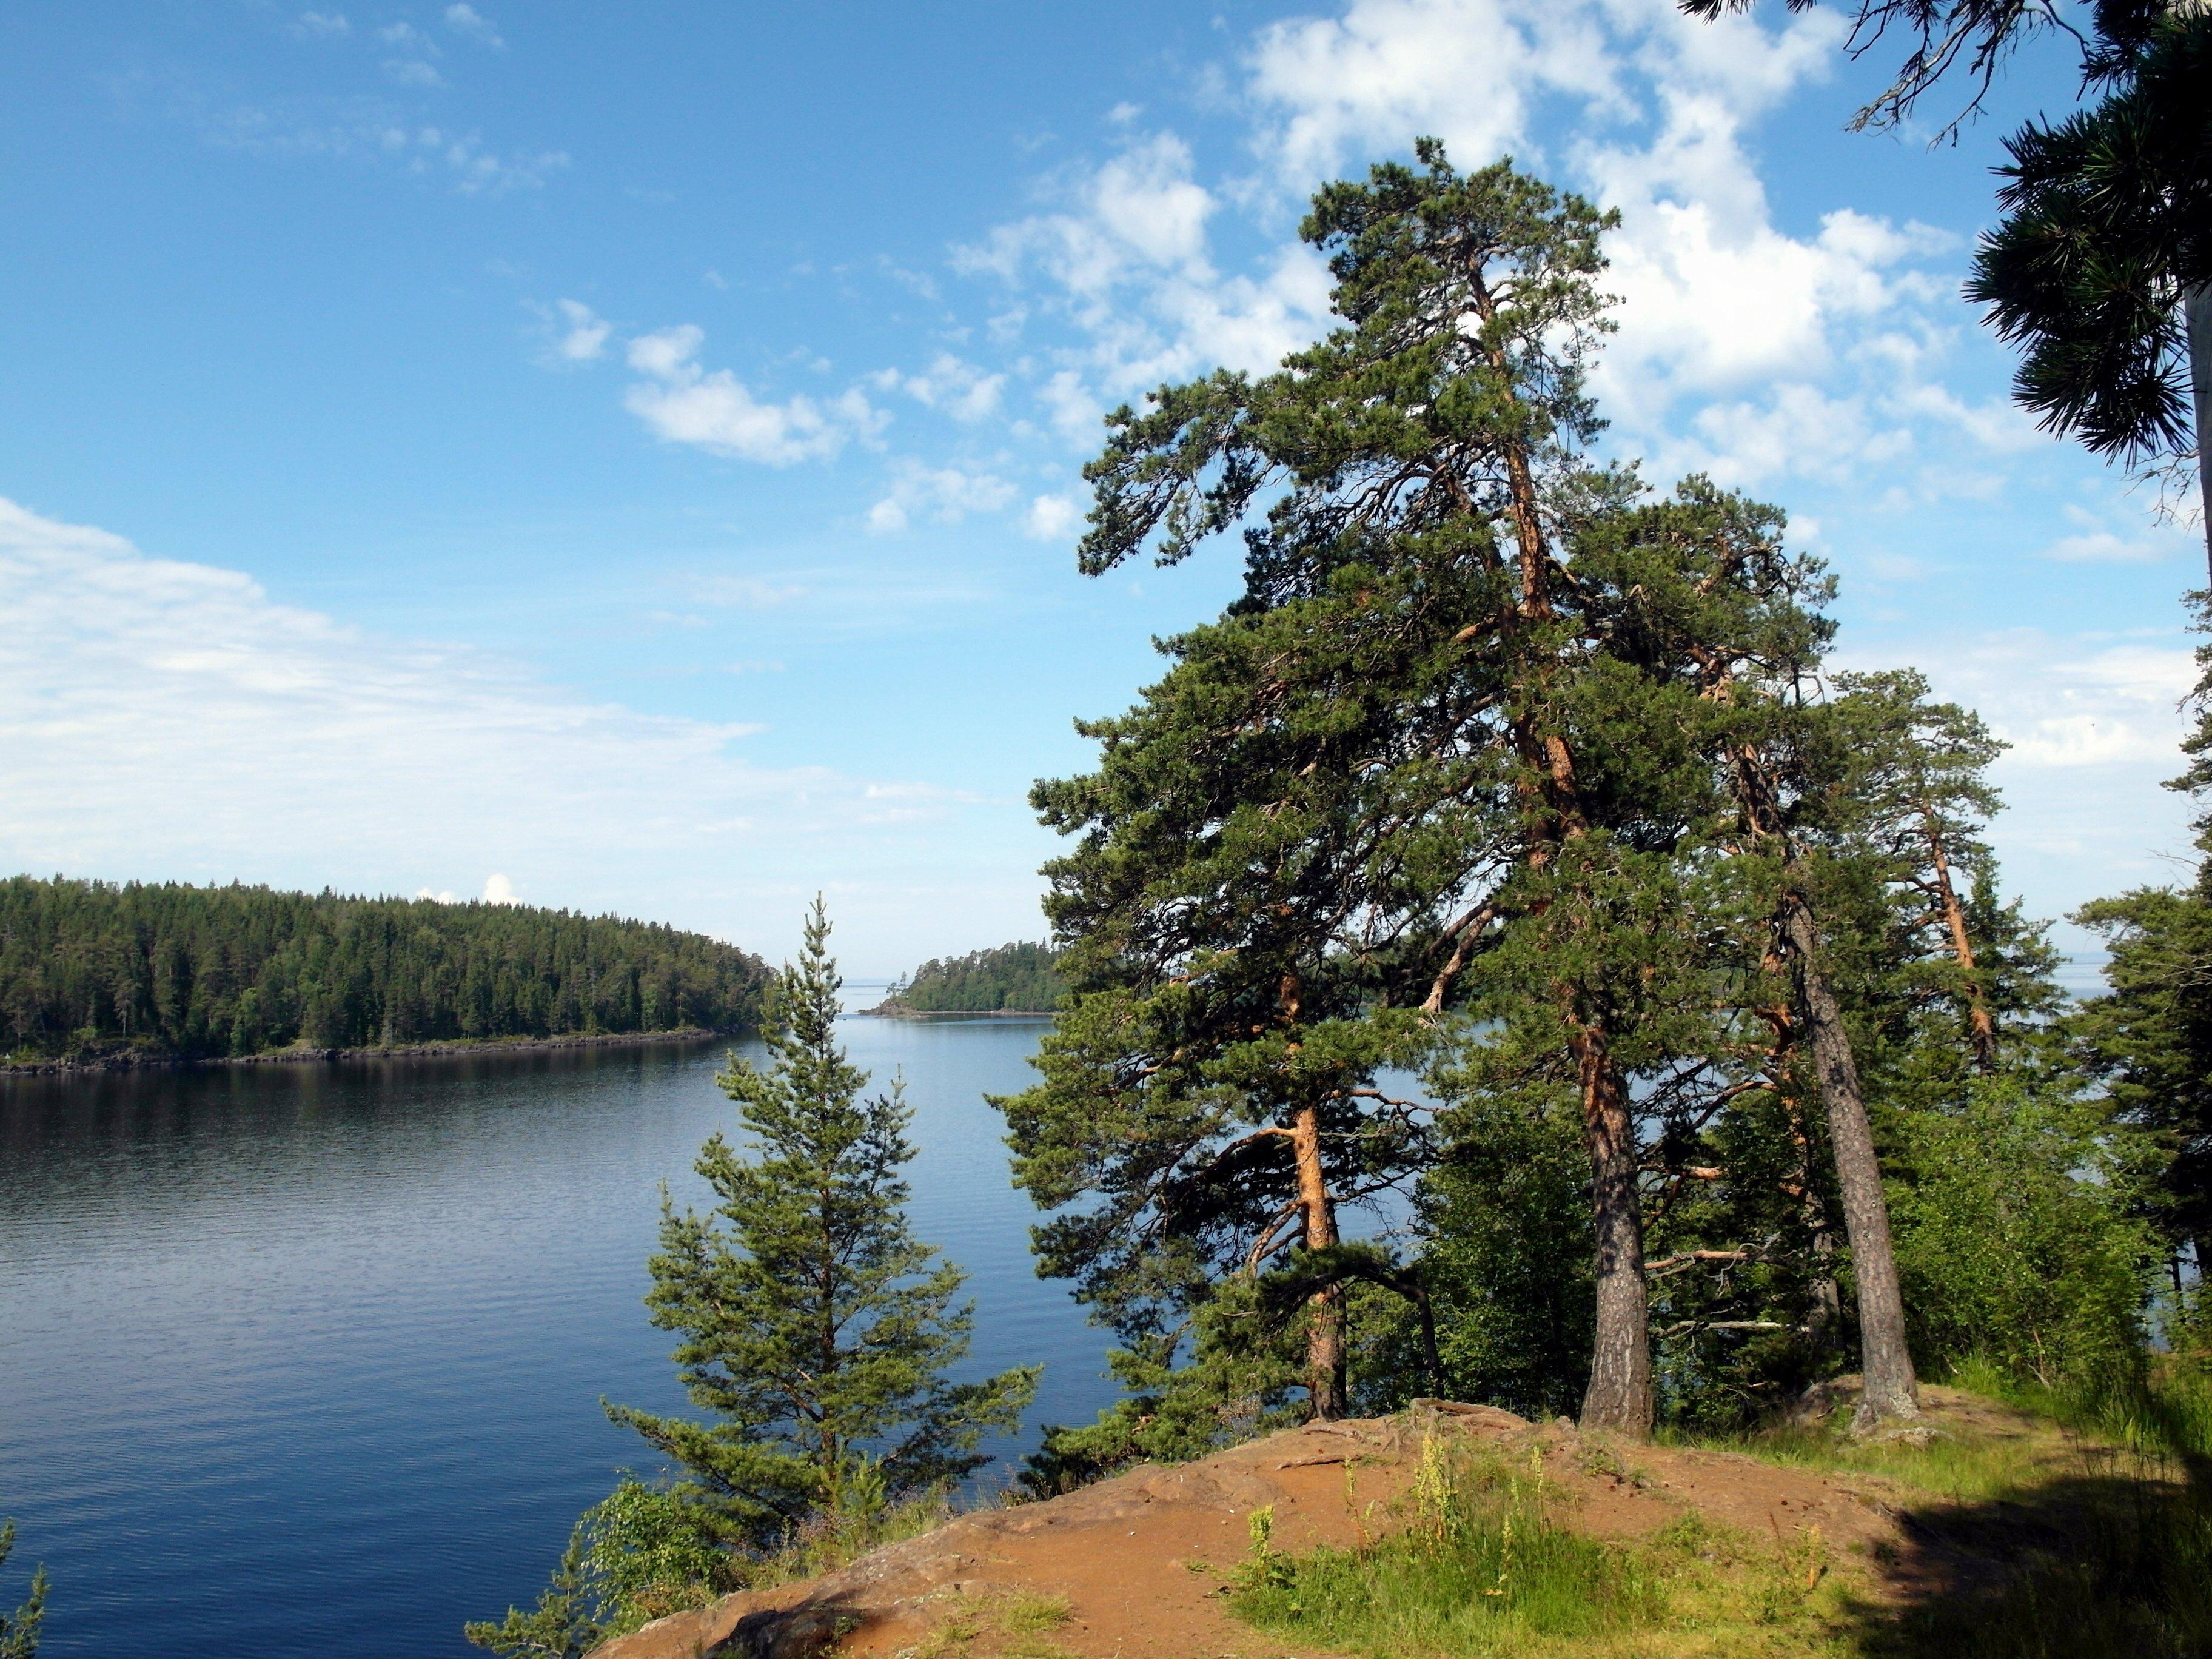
{"x": 1892, "y": 1392}
{"x": 1981, "y": 1025}
{"x": 1619, "y": 1394}
{"x": 1325, "y": 1356}
{"x": 2197, "y": 314}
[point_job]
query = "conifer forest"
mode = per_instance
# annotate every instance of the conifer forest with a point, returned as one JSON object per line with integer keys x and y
{"x": 166, "y": 970}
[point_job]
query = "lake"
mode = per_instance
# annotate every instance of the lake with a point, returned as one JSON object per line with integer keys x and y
{"x": 307, "y": 1359}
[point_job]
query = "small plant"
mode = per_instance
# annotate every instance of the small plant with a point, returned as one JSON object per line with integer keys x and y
{"x": 19, "y": 1630}
{"x": 1262, "y": 1569}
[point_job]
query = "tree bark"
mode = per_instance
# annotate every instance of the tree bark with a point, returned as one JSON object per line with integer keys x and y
{"x": 1982, "y": 1027}
{"x": 2197, "y": 316}
{"x": 1892, "y": 1391}
{"x": 1325, "y": 1356}
{"x": 1619, "y": 1394}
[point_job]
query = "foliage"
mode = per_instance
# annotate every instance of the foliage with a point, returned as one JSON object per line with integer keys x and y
{"x": 19, "y": 1630}
{"x": 2107, "y": 226}
{"x": 1387, "y": 757}
{"x": 1505, "y": 1215}
{"x": 816, "y": 1328}
{"x": 1008, "y": 979}
{"x": 2016, "y": 1235}
{"x": 638, "y": 1554}
{"x": 90, "y": 967}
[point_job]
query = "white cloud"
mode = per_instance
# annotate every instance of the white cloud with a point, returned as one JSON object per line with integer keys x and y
{"x": 2071, "y": 703}
{"x": 445, "y": 898}
{"x": 949, "y": 384}
{"x": 585, "y": 336}
{"x": 946, "y": 495}
{"x": 1129, "y": 256}
{"x": 413, "y": 72}
{"x": 498, "y": 890}
{"x": 1817, "y": 346}
{"x": 322, "y": 25}
{"x": 682, "y": 403}
{"x": 171, "y": 721}
{"x": 1075, "y": 413}
{"x": 1387, "y": 70}
{"x": 1052, "y": 518}
{"x": 468, "y": 21}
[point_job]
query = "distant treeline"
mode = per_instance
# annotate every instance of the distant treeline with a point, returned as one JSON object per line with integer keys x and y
{"x": 1011, "y": 979}
{"x": 89, "y": 968}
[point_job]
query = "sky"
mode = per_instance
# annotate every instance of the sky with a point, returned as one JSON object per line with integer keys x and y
{"x": 627, "y": 459}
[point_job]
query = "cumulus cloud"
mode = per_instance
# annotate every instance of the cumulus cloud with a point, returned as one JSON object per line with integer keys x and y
{"x": 322, "y": 25}
{"x": 168, "y": 718}
{"x": 498, "y": 890}
{"x": 682, "y": 403}
{"x": 1052, "y": 518}
{"x": 1128, "y": 255}
{"x": 949, "y": 384}
{"x": 1463, "y": 69}
{"x": 1744, "y": 349}
{"x": 946, "y": 495}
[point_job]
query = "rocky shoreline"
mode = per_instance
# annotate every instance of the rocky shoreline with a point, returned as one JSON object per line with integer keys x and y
{"x": 132, "y": 1061}
{"x": 899, "y": 1011}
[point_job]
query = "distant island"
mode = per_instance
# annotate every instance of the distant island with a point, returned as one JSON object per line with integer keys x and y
{"x": 1010, "y": 979}
{"x": 95, "y": 973}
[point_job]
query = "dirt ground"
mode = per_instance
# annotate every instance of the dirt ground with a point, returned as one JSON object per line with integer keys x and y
{"x": 1141, "y": 1559}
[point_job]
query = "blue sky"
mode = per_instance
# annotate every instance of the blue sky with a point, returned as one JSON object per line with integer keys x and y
{"x": 627, "y": 457}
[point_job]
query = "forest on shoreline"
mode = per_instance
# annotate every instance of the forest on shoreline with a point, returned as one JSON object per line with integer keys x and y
{"x": 100, "y": 971}
{"x": 1007, "y": 979}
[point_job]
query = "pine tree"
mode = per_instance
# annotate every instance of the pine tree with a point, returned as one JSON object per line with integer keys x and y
{"x": 816, "y": 1328}
{"x": 1459, "y": 745}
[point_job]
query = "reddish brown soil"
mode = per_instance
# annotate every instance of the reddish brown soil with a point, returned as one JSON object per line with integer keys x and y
{"x": 1141, "y": 1559}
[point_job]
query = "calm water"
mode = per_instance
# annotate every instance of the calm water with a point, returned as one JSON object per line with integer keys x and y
{"x": 306, "y": 1360}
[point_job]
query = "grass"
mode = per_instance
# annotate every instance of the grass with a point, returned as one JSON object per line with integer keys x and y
{"x": 1009, "y": 1624}
{"x": 1485, "y": 1566}
{"x": 2086, "y": 1534}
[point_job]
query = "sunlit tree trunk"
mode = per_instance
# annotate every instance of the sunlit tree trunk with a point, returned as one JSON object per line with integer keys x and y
{"x": 1325, "y": 1356}
{"x": 1892, "y": 1391}
{"x": 1982, "y": 1026}
{"x": 1620, "y": 1392}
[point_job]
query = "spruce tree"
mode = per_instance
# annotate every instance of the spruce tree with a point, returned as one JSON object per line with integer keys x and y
{"x": 817, "y": 1329}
